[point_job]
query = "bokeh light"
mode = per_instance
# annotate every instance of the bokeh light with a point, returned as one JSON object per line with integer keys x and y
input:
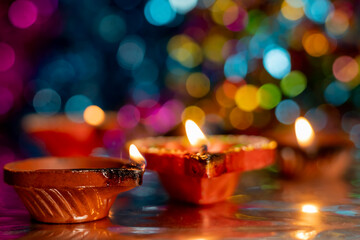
{"x": 6, "y": 100}
{"x": 131, "y": 52}
{"x": 337, "y": 23}
{"x": 128, "y": 116}
{"x": 345, "y": 68}
{"x": 148, "y": 71}
{"x": 112, "y": 28}
{"x": 7, "y": 56}
{"x": 236, "y": 67}
{"x": 240, "y": 119}
{"x": 197, "y": 85}
{"x": 291, "y": 12}
{"x": 193, "y": 113}
{"x": 183, "y": 6}
{"x": 277, "y": 62}
{"x": 246, "y": 98}
{"x": 94, "y": 115}
{"x": 293, "y": 83}
{"x": 47, "y": 102}
{"x": 336, "y": 93}
{"x": 317, "y": 117}
{"x": 213, "y": 46}
{"x": 268, "y": 96}
{"x": 349, "y": 120}
{"x": 159, "y": 12}
{"x": 318, "y": 10}
{"x": 287, "y": 111}
{"x": 75, "y": 107}
{"x": 185, "y": 50}
{"x": 315, "y": 44}
{"x": 23, "y": 13}
{"x": 235, "y": 18}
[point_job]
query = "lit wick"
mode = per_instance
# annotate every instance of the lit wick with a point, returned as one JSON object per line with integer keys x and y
{"x": 196, "y": 136}
{"x": 136, "y": 157}
{"x": 305, "y": 135}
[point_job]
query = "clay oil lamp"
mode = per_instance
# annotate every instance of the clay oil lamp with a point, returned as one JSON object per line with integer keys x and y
{"x": 204, "y": 170}
{"x": 59, "y": 136}
{"x": 72, "y": 189}
{"x": 306, "y": 155}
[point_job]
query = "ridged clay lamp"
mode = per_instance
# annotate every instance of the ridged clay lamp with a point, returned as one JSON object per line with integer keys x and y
{"x": 203, "y": 170}
{"x": 71, "y": 190}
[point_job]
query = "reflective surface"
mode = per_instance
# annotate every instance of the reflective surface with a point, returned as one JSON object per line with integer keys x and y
{"x": 264, "y": 207}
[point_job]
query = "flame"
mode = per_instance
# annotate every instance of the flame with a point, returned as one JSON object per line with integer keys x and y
{"x": 194, "y": 134}
{"x": 304, "y": 132}
{"x": 309, "y": 208}
{"x": 136, "y": 156}
{"x": 305, "y": 235}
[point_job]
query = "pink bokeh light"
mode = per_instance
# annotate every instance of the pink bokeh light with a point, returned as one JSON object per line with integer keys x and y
{"x": 7, "y": 56}
{"x": 23, "y": 13}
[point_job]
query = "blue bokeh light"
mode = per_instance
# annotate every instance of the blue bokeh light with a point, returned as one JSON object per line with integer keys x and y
{"x": 183, "y": 6}
{"x": 47, "y": 102}
{"x": 336, "y": 93}
{"x": 112, "y": 28}
{"x": 236, "y": 66}
{"x": 317, "y": 118}
{"x": 159, "y": 12}
{"x": 287, "y": 111}
{"x": 318, "y": 10}
{"x": 75, "y": 107}
{"x": 277, "y": 62}
{"x": 131, "y": 52}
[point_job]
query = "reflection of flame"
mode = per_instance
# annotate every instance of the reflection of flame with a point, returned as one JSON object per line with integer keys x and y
{"x": 304, "y": 132}
{"x": 309, "y": 208}
{"x": 304, "y": 235}
{"x": 194, "y": 134}
{"x": 136, "y": 156}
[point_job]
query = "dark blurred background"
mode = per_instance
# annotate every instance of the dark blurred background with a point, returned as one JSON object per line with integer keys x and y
{"x": 231, "y": 66}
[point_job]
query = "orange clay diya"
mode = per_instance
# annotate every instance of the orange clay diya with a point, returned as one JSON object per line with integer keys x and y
{"x": 306, "y": 155}
{"x": 60, "y": 136}
{"x": 71, "y": 190}
{"x": 204, "y": 170}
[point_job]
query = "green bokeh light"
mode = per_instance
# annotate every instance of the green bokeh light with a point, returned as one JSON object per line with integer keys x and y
{"x": 268, "y": 96}
{"x": 293, "y": 84}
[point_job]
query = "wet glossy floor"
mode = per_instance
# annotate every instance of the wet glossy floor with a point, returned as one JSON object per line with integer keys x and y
{"x": 264, "y": 207}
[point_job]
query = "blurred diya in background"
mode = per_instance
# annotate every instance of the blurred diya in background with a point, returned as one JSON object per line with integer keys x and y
{"x": 73, "y": 189}
{"x": 204, "y": 170}
{"x": 60, "y": 136}
{"x": 306, "y": 155}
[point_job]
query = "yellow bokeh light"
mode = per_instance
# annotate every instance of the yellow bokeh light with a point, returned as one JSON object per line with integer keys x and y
{"x": 304, "y": 132}
{"x": 246, "y": 99}
{"x": 213, "y": 46}
{"x": 240, "y": 119}
{"x": 309, "y": 208}
{"x": 337, "y": 23}
{"x": 194, "y": 113}
{"x": 197, "y": 85}
{"x": 194, "y": 134}
{"x": 94, "y": 115}
{"x": 315, "y": 44}
{"x": 291, "y": 13}
{"x": 218, "y": 10}
{"x": 185, "y": 50}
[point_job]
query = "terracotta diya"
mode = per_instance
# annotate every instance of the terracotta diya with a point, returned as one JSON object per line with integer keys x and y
{"x": 60, "y": 136}
{"x": 70, "y": 190}
{"x": 204, "y": 170}
{"x": 306, "y": 155}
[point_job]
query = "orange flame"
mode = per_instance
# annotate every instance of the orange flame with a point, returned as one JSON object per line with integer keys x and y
{"x": 194, "y": 134}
